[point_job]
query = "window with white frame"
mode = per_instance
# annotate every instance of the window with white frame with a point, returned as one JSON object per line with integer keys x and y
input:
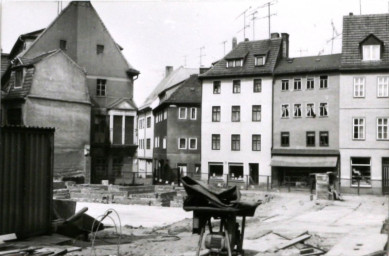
{"x": 100, "y": 87}
{"x": 216, "y": 114}
{"x": 361, "y": 171}
{"x": 371, "y": 52}
{"x": 236, "y": 86}
{"x": 19, "y": 78}
{"x": 215, "y": 141}
{"x": 141, "y": 123}
{"x": 324, "y": 139}
{"x": 164, "y": 142}
{"x": 148, "y": 143}
{"x": 256, "y": 142}
{"x": 234, "y": 63}
{"x": 260, "y": 60}
{"x": 182, "y": 143}
{"x": 382, "y": 128}
{"x": 235, "y": 142}
{"x": 323, "y": 82}
{"x": 256, "y": 113}
{"x": 323, "y": 111}
{"x": 285, "y": 85}
{"x": 359, "y": 87}
{"x": 310, "y": 83}
{"x": 359, "y": 128}
{"x": 297, "y": 110}
{"x": 216, "y": 87}
{"x": 285, "y": 111}
{"x": 297, "y": 84}
{"x": 181, "y": 113}
{"x": 149, "y": 122}
{"x": 383, "y": 86}
{"x": 257, "y": 85}
{"x": 310, "y": 110}
{"x": 193, "y": 113}
{"x": 192, "y": 143}
{"x": 235, "y": 113}
{"x": 156, "y": 142}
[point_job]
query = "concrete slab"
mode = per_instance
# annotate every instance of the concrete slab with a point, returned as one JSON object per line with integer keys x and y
{"x": 136, "y": 215}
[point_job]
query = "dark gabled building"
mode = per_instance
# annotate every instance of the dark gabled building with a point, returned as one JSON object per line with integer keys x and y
{"x": 78, "y": 31}
{"x": 177, "y": 130}
{"x": 305, "y": 119}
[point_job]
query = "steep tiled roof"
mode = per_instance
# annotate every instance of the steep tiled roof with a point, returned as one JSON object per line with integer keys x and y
{"x": 247, "y": 50}
{"x": 175, "y": 77}
{"x": 24, "y": 90}
{"x": 187, "y": 92}
{"x": 309, "y": 64}
{"x": 5, "y": 62}
{"x": 355, "y": 30}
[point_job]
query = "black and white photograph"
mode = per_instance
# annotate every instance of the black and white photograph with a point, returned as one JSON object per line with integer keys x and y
{"x": 194, "y": 127}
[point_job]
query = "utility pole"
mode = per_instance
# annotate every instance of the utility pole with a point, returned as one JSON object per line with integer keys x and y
{"x": 201, "y": 55}
{"x": 224, "y": 47}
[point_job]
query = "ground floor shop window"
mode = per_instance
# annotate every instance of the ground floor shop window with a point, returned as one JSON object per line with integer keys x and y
{"x": 236, "y": 172}
{"x": 215, "y": 170}
{"x": 361, "y": 171}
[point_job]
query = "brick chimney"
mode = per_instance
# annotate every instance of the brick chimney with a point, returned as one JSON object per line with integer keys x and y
{"x": 285, "y": 45}
{"x": 168, "y": 70}
{"x": 274, "y": 35}
{"x": 234, "y": 42}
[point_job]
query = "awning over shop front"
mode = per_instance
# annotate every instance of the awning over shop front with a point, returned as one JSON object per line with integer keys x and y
{"x": 304, "y": 161}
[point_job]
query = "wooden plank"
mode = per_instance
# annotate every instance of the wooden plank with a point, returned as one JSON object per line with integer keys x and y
{"x": 7, "y": 237}
{"x": 292, "y": 242}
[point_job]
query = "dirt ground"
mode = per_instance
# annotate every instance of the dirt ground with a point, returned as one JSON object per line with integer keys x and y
{"x": 288, "y": 214}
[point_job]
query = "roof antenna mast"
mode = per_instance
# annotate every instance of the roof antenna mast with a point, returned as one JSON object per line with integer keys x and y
{"x": 201, "y": 55}
{"x": 244, "y": 22}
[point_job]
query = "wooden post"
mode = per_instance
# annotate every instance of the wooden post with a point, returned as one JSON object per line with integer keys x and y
{"x": 267, "y": 183}
{"x": 247, "y": 182}
{"x": 359, "y": 182}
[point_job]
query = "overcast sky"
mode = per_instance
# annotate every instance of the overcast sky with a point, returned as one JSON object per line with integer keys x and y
{"x": 155, "y": 34}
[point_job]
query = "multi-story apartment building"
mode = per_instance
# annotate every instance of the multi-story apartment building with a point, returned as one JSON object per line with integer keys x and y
{"x": 236, "y": 111}
{"x": 364, "y": 103}
{"x": 177, "y": 131}
{"x": 305, "y": 119}
{"x": 146, "y": 119}
{"x": 80, "y": 33}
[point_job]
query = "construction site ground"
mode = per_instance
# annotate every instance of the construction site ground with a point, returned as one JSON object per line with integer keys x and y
{"x": 337, "y": 225}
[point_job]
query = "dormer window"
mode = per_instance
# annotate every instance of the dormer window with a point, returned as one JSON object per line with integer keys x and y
{"x": 260, "y": 60}
{"x": 371, "y": 52}
{"x": 19, "y": 75}
{"x": 234, "y": 63}
{"x": 371, "y": 48}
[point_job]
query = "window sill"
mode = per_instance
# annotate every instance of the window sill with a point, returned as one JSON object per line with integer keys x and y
{"x": 359, "y": 139}
{"x": 383, "y": 97}
{"x": 323, "y": 116}
{"x": 358, "y": 97}
{"x": 100, "y": 96}
{"x": 284, "y": 117}
{"x": 297, "y": 117}
{"x": 323, "y": 88}
{"x": 383, "y": 139}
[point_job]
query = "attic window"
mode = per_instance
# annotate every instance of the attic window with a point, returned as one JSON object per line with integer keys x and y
{"x": 99, "y": 48}
{"x": 63, "y": 45}
{"x": 260, "y": 60}
{"x": 234, "y": 63}
{"x": 19, "y": 77}
{"x": 371, "y": 52}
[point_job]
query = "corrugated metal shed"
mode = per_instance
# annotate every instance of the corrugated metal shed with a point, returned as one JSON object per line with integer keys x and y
{"x": 26, "y": 178}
